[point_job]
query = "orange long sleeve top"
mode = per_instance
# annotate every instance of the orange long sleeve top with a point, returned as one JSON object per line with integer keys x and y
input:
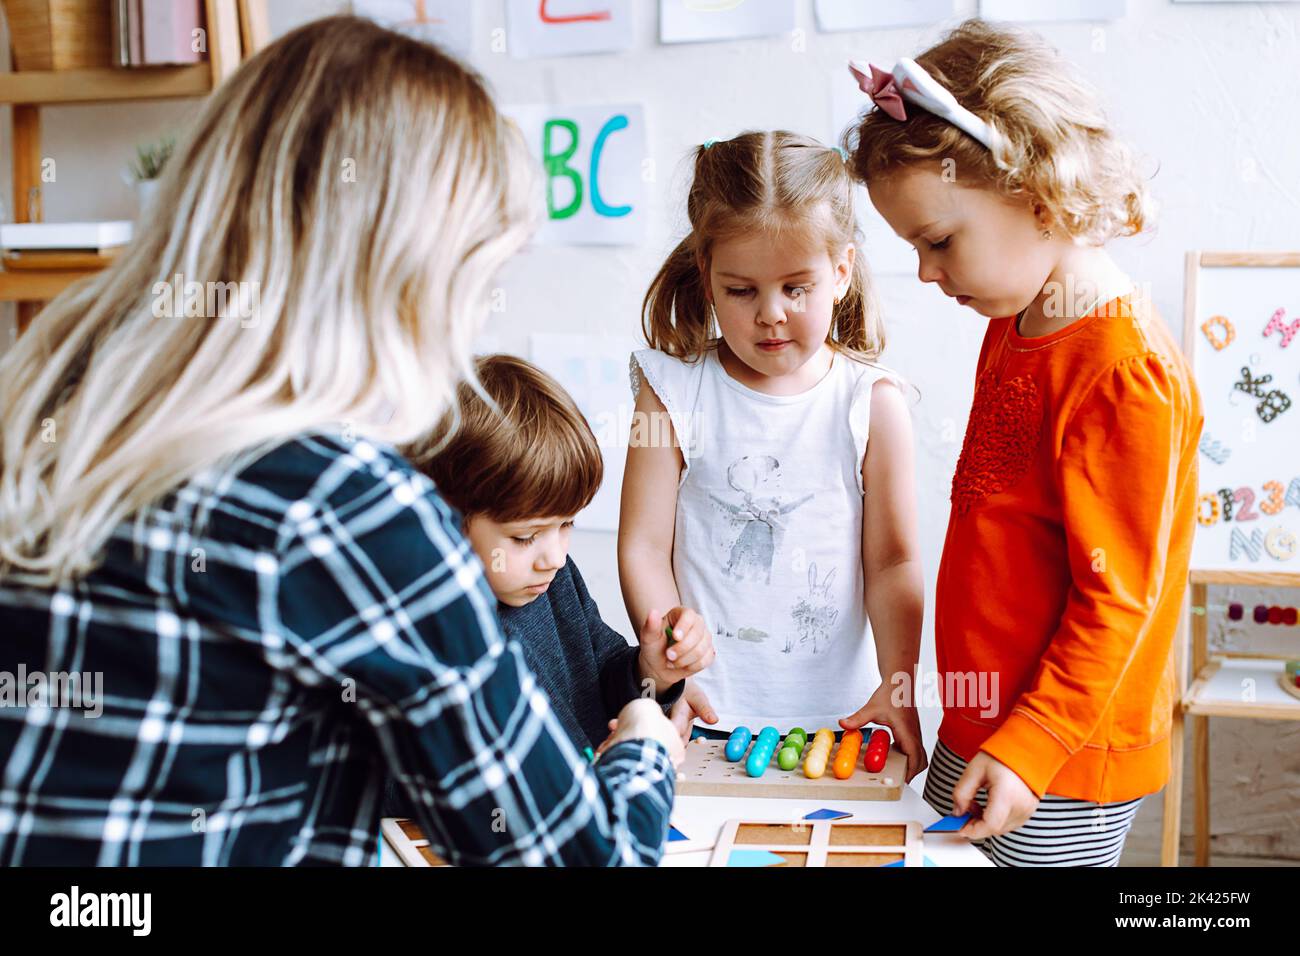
{"x": 1066, "y": 556}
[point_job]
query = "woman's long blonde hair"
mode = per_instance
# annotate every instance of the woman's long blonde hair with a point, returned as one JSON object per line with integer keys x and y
{"x": 761, "y": 182}
{"x": 362, "y": 190}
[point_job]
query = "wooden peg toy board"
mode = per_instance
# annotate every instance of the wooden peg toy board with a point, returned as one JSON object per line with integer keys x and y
{"x": 706, "y": 772}
{"x": 824, "y": 843}
{"x": 406, "y": 837}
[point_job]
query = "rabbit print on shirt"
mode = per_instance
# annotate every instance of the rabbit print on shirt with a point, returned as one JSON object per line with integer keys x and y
{"x": 814, "y": 616}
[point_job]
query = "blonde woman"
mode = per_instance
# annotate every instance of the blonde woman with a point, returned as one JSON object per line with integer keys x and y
{"x": 202, "y": 513}
{"x": 1072, "y": 506}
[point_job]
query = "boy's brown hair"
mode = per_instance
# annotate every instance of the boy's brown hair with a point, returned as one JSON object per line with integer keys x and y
{"x": 533, "y": 456}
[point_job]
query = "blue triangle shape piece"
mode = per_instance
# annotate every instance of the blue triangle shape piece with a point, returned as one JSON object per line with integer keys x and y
{"x": 753, "y": 858}
{"x": 948, "y": 824}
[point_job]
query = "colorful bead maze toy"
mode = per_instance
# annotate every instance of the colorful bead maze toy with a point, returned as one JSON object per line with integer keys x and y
{"x": 1290, "y": 679}
{"x": 718, "y": 768}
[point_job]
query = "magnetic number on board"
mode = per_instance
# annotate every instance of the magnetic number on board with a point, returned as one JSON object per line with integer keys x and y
{"x": 1229, "y": 501}
{"x": 1207, "y": 509}
{"x": 1245, "y": 498}
{"x": 1228, "y": 505}
{"x": 1274, "y": 502}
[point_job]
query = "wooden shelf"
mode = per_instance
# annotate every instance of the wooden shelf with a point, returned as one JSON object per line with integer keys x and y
{"x": 38, "y": 285}
{"x": 1254, "y": 579}
{"x": 40, "y": 276}
{"x": 1216, "y": 692}
{"x": 235, "y": 28}
{"x": 106, "y": 85}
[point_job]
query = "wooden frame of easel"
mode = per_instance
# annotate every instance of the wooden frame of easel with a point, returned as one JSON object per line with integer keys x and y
{"x": 1190, "y": 701}
{"x": 236, "y": 29}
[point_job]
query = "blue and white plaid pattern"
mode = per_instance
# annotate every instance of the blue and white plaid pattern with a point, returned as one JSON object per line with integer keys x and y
{"x": 276, "y": 640}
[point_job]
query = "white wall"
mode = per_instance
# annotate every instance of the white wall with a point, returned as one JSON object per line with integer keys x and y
{"x": 1207, "y": 91}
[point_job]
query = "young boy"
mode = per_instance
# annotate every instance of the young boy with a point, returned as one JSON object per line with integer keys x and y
{"x": 518, "y": 476}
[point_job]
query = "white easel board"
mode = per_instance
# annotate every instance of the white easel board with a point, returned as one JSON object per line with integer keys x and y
{"x": 1242, "y": 335}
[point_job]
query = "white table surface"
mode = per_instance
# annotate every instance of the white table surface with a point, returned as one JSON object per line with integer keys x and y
{"x": 701, "y": 819}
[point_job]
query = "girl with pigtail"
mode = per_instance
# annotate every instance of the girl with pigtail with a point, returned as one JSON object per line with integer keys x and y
{"x": 777, "y": 496}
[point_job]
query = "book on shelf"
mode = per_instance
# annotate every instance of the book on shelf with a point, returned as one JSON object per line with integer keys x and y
{"x": 134, "y": 42}
{"x": 156, "y": 32}
{"x": 118, "y": 35}
{"x": 32, "y": 238}
{"x": 167, "y": 31}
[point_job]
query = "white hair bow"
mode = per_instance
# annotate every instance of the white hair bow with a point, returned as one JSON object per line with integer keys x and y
{"x": 910, "y": 82}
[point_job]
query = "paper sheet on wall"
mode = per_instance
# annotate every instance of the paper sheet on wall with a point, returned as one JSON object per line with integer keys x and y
{"x": 592, "y": 159}
{"x": 692, "y": 21}
{"x": 1249, "y": 474}
{"x": 563, "y": 27}
{"x": 594, "y": 371}
{"x": 1038, "y": 11}
{"x": 838, "y": 15}
{"x": 886, "y": 254}
{"x": 447, "y": 23}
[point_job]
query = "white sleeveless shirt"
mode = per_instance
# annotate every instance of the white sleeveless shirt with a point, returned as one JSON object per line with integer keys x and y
{"x": 768, "y": 537}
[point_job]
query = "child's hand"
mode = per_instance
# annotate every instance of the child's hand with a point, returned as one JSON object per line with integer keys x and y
{"x": 689, "y": 651}
{"x": 644, "y": 719}
{"x": 693, "y": 703}
{"x": 1010, "y": 802}
{"x": 608, "y": 741}
{"x": 902, "y": 721}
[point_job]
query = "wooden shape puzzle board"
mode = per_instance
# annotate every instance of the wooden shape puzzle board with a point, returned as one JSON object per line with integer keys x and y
{"x": 412, "y": 846}
{"x": 824, "y": 843}
{"x": 706, "y": 772}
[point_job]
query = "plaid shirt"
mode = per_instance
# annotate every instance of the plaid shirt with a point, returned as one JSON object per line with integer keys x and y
{"x": 273, "y": 641}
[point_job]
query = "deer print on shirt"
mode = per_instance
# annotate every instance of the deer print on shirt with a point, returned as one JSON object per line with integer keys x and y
{"x": 814, "y": 616}
{"x": 757, "y": 519}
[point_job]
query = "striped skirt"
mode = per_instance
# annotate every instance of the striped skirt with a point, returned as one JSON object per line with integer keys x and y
{"x": 1062, "y": 831}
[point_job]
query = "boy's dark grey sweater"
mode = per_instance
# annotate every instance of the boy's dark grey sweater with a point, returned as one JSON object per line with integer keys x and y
{"x": 586, "y": 667}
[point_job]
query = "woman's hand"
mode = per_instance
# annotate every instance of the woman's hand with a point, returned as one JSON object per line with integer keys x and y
{"x": 902, "y": 721}
{"x": 1010, "y": 802}
{"x": 643, "y": 719}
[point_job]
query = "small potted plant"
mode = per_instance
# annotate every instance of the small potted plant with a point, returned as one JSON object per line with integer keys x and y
{"x": 147, "y": 167}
